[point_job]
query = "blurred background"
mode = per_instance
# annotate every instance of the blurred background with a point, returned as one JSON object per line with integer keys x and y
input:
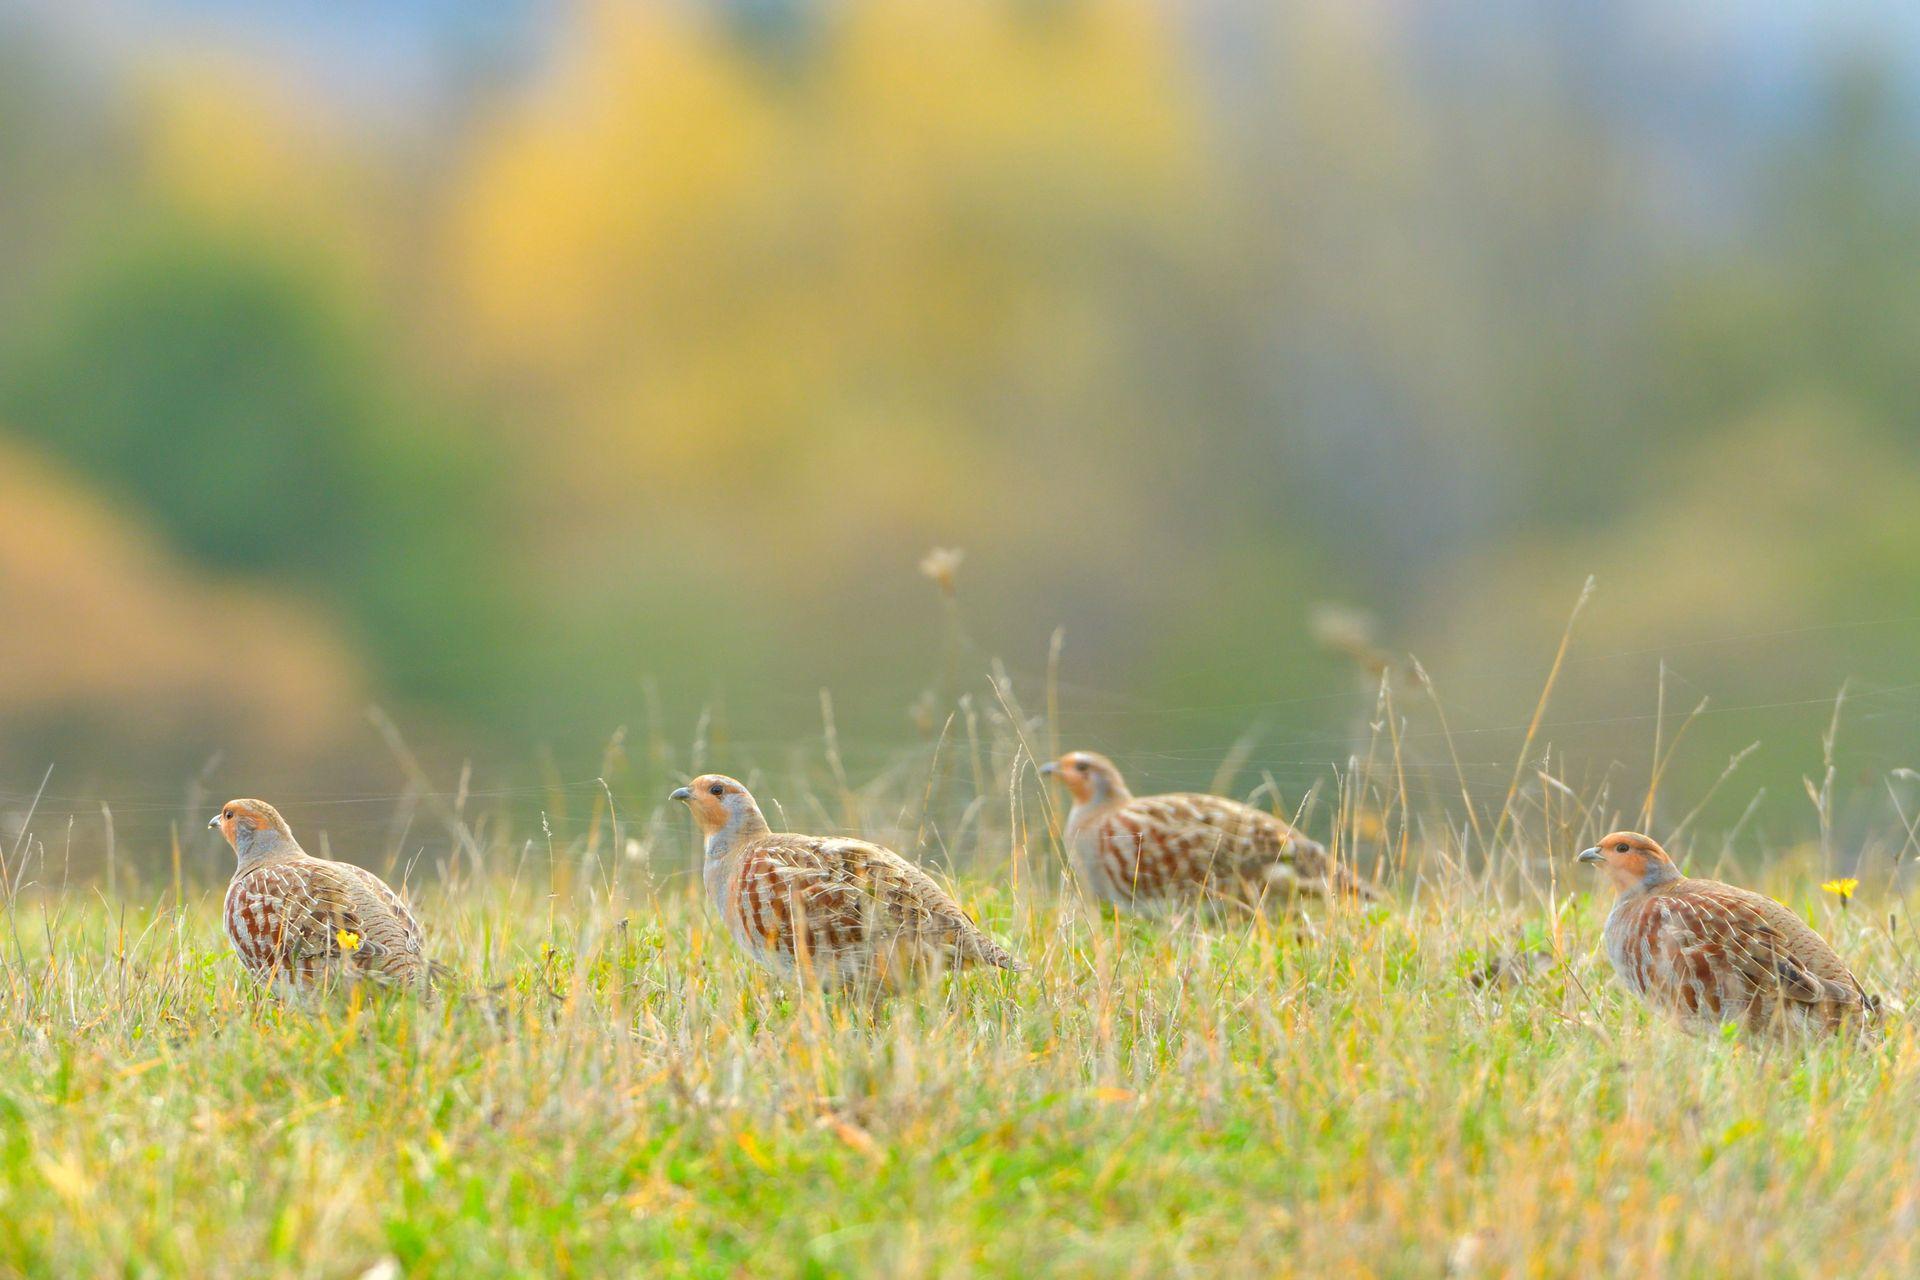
{"x": 533, "y": 370}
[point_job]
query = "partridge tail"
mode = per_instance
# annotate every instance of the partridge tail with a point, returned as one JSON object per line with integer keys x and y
{"x": 1343, "y": 880}
{"x": 1353, "y": 885}
{"x": 1318, "y": 876}
{"x": 442, "y": 980}
{"x": 982, "y": 949}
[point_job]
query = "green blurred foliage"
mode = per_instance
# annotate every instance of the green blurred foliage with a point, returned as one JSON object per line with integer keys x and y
{"x": 229, "y": 395}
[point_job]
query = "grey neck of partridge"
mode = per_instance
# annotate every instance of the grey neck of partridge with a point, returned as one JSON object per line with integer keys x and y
{"x": 255, "y": 844}
{"x": 1659, "y": 872}
{"x": 1103, "y": 792}
{"x": 744, "y": 821}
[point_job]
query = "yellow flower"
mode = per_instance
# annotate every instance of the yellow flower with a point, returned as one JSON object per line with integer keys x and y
{"x": 349, "y": 940}
{"x": 1842, "y": 888}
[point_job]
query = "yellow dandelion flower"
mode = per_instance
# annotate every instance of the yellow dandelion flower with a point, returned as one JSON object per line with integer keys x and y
{"x": 349, "y": 940}
{"x": 1842, "y": 888}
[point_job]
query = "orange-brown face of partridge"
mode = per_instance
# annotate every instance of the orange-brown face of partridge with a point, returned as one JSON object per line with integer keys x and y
{"x": 718, "y": 802}
{"x": 243, "y": 821}
{"x": 1632, "y": 861}
{"x": 1088, "y": 776}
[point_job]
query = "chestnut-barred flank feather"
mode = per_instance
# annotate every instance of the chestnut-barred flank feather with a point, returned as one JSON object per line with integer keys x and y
{"x": 843, "y": 911}
{"x": 1136, "y": 851}
{"x": 1707, "y": 953}
{"x": 301, "y": 922}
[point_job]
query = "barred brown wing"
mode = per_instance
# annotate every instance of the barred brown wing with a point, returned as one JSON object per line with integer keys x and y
{"x": 299, "y": 919}
{"x": 1708, "y": 951}
{"x": 842, "y": 902}
{"x": 1191, "y": 845}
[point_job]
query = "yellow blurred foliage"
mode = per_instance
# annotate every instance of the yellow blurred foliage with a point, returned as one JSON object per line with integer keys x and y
{"x": 817, "y": 274}
{"x": 235, "y": 151}
{"x": 632, "y": 162}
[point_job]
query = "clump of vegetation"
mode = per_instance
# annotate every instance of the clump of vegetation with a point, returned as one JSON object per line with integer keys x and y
{"x": 1449, "y": 1081}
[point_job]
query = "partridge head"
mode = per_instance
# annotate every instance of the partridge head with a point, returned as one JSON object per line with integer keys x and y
{"x": 1631, "y": 861}
{"x": 1088, "y": 776}
{"x": 717, "y": 802}
{"x": 251, "y": 826}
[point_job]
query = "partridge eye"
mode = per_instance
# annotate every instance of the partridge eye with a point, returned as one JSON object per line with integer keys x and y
{"x": 1082, "y": 766}
{"x": 1620, "y": 848}
{"x": 228, "y": 814}
{"x": 717, "y": 789}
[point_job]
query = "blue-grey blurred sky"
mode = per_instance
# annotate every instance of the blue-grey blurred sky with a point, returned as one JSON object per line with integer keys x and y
{"x": 1700, "y": 67}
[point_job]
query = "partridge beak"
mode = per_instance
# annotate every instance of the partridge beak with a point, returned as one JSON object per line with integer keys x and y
{"x": 213, "y": 823}
{"x": 1593, "y": 856}
{"x": 682, "y": 793}
{"x": 1050, "y": 768}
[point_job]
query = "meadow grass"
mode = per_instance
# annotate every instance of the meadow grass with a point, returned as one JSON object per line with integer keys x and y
{"x": 614, "y": 1090}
